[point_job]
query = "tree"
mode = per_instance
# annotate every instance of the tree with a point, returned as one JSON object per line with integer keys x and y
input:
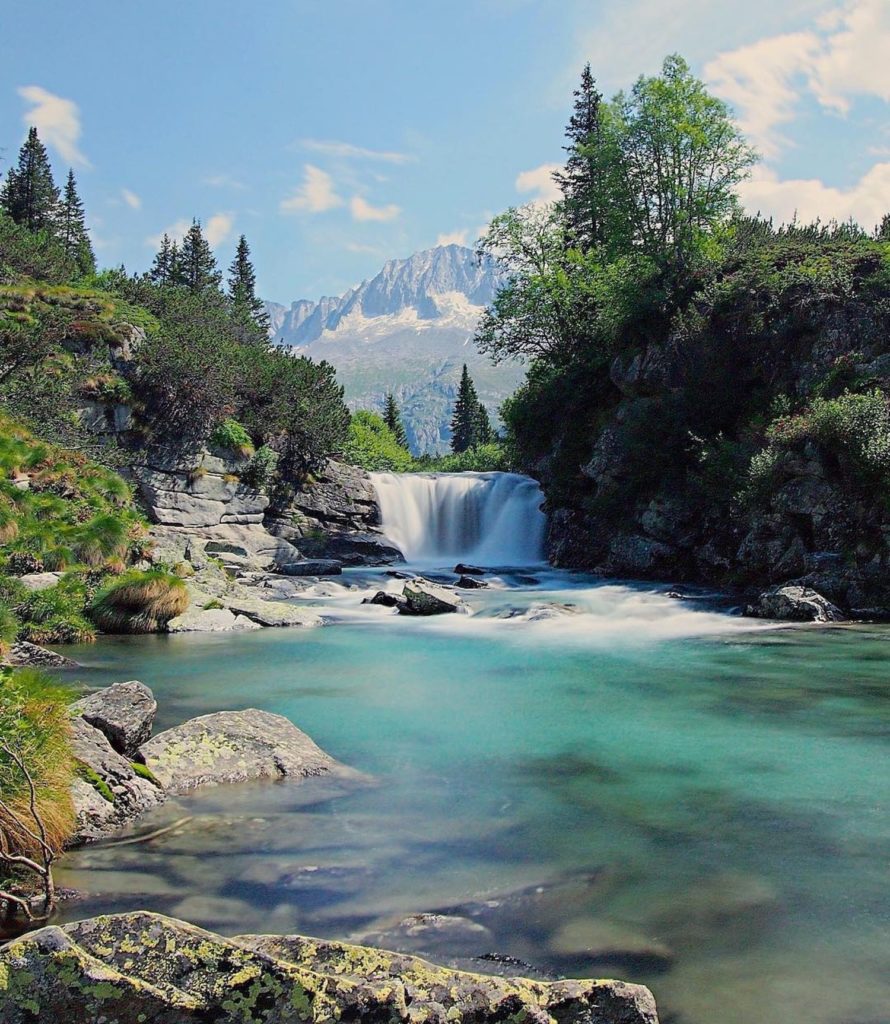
{"x": 465, "y": 420}
{"x": 581, "y": 180}
{"x": 484, "y": 432}
{"x": 242, "y": 290}
{"x": 198, "y": 265}
{"x": 29, "y": 194}
{"x": 72, "y": 228}
{"x": 882, "y": 231}
{"x": 393, "y": 419}
{"x": 160, "y": 272}
{"x": 372, "y": 445}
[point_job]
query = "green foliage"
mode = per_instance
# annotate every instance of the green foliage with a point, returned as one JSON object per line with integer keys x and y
{"x": 373, "y": 446}
{"x": 29, "y": 194}
{"x": 490, "y": 457}
{"x": 139, "y": 602}
{"x": 247, "y": 308}
{"x": 261, "y": 470}
{"x": 72, "y": 229}
{"x": 92, "y": 778}
{"x": 231, "y": 435}
{"x": 144, "y": 772}
{"x": 34, "y": 724}
{"x": 470, "y": 425}
{"x": 393, "y": 419}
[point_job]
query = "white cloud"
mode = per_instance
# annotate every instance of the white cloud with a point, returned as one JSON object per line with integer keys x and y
{"x": 854, "y": 61}
{"x": 453, "y": 238}
{"x": 359, "y": 247}
{"x": 218, "y": 228}
{"x": 363, "y": 210}
{"x": 131, "y": 199}
{"x": 809, "y": 198}
{"x": 347, "y": 151}
{"x": 539, "y": 181}
{"x": 223, "y": 181}
{"x": 315, "y": 195}
{"x": 173, "y": 231}
{"x": 57, "y": 121}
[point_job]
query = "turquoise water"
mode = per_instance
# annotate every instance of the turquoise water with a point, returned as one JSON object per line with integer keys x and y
{"x": 708, "y": 794}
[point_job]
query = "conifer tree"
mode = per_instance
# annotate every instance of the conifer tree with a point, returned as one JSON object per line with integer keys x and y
{"x": 29, "y": 194}
{"x": 393, "y": 419}
{"x": 161, "y": 267}
{"x": 72, "y": 228}
{"x": 465, "y": 421}
{"x": 579, "y": 182}
{"x": 242, "y": 289}
{"x": 484, "y": 433}
{"x": 196, "y": 261}
{"x": 882, "y": 231}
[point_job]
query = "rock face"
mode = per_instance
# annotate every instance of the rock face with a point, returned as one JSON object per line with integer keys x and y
{"x": 141, "y": 967}
{"x": 425, "y": 598}
{"x": 795, "y": 604}
{"x": 123, "y": 712}
{"x": 234, "y": 746}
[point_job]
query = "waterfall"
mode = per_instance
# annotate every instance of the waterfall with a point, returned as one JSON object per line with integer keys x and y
{"x": 441, "y": 518}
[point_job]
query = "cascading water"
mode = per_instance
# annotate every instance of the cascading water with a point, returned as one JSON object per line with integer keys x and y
{"x": 439, "y": 518}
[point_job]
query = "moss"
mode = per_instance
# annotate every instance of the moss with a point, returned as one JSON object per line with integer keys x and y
{"x": 144, "y": 772}
{"x": 213, "y": 605}
{"x": 92, "y": 778}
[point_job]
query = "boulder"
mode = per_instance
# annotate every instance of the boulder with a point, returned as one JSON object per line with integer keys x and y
{"x": 234, "y": 746}
{"x": 108, "y": 792}
{"x": 470, "y": 583}
{"x": 40, "y": 580}
{"x": 310, "y": 567}
{"x": 386, "y": 599}
{"x": 425, "y": 598}
{"x": 462, "y": 569}
{"x": 609, "y": 943}
{"x": 123, "y": 712}
{"x": 210, "y": 620}
{"x": 441, "y": 936}
{"x": 271, "y": 613}
{"x": 139, "y": 967}
{"x": 793, "y": 603}
{"x": 24, "y": 655}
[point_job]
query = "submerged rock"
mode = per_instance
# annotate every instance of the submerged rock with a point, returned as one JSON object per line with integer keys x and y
{"x": 123, "y": 712}
{"x": 470, "y": 583}
{"x": 462, "y": 569}
{"x": 25, "y": 655}
{"x": 140, "y": 967}
{"x": 210, "y": 620}
{"x": 441, "y": 936}
{"x": 425, "y": 598}
{"x": 233, "y": 746}
{"x": 386, "y": 599}
{"x": 792, "y": 603}
{"x": 608, "y": 943}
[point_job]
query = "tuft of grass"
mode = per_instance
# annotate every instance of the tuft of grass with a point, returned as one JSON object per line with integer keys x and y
{"x": 232, "y": 435}
{"x": 139, "y": 602}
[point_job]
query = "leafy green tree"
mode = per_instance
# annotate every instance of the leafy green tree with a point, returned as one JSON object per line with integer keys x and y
{"x": 197, "y": 264}
{"x": 72, "y": 228}
{"x": 581, "y": 181}
{"x": 393, "y": 419}
{"x": 29, "y": 194}
{"x": 373, "y": 445}
{"x": 465, "y": 422}
{"x": 242, "y": 290}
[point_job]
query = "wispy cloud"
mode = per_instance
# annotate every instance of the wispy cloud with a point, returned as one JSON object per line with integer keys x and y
{"x": 453, "y": 238}
{"x": 57, "y": 121}
{"x": 362, "y": 210}
{"x": 131, "y": 199}
{"x": 539, "y": 182}
{"x": 174, "y": 232}
{"x": 315, "y": 195}
{"x": 348, "y": 151}
{"x": 359, "y": 247}
{"x": 223, "y": 181}
{"x": 216, "y": 230}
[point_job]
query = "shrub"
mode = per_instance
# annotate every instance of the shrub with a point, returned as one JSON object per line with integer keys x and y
{"x": 55, "y": 615}
{"x": 261, "y": 469}
{"x": 483, "y": 458}
{"x": 231, "y": 435}
{"x": 139, "y": 602}
{"x": 34, "y": 724}
{"x": 373, "y": 446}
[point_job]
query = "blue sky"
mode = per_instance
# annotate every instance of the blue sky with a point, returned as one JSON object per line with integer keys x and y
{"x": 339, "y": 134}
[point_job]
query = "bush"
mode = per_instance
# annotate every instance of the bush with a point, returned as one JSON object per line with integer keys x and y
{"x": 484, "y": 458}
{"x": 373, "y": 446}
{"x": 231, "y": 435}
{"x": 34, "y": 724}
{"x": 55, "y": 615}
{"x": 261, "y": 469}
{"x": 139, "y": 602}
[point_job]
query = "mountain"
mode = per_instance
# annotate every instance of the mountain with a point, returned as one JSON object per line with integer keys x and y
{"x": 408, "y": 330}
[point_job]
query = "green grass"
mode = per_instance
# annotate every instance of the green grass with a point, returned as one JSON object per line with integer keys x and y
{"x": 139, "y": 602}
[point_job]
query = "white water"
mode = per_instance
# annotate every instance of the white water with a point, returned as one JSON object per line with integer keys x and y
{"x": 437, "y": 518}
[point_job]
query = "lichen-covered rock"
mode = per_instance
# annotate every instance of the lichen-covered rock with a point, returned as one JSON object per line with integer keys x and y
{"x": 40, "y": 580}
{"x": 795, "y": 604}
{"x": 148, "y": 969}
{"x": 210, "y": 620}
{"x": 108, "y": 792}
{"x": 271, "y": 613}
{"x": 234, "y": 746}
{"x": 124, "y": 712}
{"x": 26, "y": 655}
{"x": 425, "y": 598}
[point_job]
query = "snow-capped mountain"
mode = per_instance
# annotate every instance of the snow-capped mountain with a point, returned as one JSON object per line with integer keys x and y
{"x": 408, "y": 330}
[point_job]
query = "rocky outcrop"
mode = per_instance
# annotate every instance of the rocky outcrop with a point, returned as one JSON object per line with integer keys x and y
{"x": 336, "y": 515}
{"x": 140, "y": 967}
{"x": 795, "y": 604}
{"x": 234, "y": 746}
{"x": 123, "y": 712}
{"x": 26, "y": 655}
{"x": 210, "y": 620}
{"x": 425, "y": 598}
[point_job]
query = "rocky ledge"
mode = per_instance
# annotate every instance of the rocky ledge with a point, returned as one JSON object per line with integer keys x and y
{"x": 123, "y": 774}
{"x": 143, "y": 967}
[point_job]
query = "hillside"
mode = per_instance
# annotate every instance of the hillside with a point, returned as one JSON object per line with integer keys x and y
{"x": 408, "y": 330}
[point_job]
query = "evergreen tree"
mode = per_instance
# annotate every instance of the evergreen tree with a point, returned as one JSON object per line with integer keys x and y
{"x": 160, "y": 268}
{"x": 579, "y": 182}
{"x": 484, "y": 433}
{"x": 197, "y": 263}
{"x": 393, "y": 419}
{"x": 242, "y": 289}
{"x": 29, "y": 194}
{"x": 465, "y": 421}
{"x": 73, "y": 230}
{"x": 882, "y": 231}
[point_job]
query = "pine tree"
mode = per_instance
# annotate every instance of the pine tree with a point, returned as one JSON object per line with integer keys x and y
{"x": 882, "y": 231}
{"x": 580, "y": 181}
{"x": 29, "y": 194}
{"x": 465, "y": 421}
{"x": 162, "y": 265}
{"x": 484, "y": 433}
{"x": 242, "y": 289}
{"x": 393, "y": 419}
{"x": 72, "y": 228}
{"x": 197, "y": 262}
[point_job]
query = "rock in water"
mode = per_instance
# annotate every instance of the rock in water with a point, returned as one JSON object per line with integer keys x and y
{"x": 386, "y": 599}
{"x": 25, "y": 655}
{"x": 124, "y": 712}
{"x": 311, "y": 567}
{"x": 233, "y": 746}
{"x": 462, "y": 569}
{"x": 425, "y": 598}
{"x": 795, "y": 604}
{"x": 442, "y": 936}
{"x": 470, "y": 583}
{"x": 144, "y": 967}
